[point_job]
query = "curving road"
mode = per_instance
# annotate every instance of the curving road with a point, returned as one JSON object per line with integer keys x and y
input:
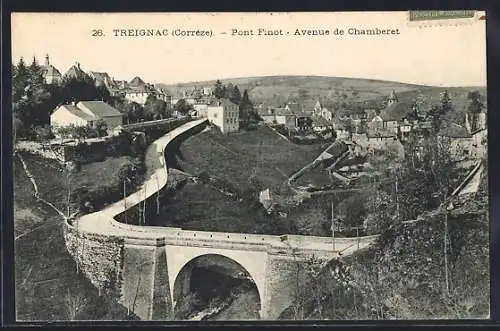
{"x": 103, "y": 222}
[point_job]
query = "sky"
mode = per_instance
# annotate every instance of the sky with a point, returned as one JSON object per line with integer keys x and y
{"x": 439, "y": 55}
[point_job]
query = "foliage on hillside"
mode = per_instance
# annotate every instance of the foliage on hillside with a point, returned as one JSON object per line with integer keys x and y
{"x": 90, "y": 186}
{"x": 402, "y": 275}
{"x": 48, "y": 286}
{"x": 33, "y": 101}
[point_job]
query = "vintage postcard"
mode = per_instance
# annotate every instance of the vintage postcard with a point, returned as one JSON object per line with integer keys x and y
{"x": 250, "y": 166}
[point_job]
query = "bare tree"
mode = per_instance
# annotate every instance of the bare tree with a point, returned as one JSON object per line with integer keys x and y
{"x": 74, "y": 302}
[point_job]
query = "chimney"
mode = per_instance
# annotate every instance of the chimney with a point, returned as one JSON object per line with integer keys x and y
{"x": 77, "y": 65}
{"x": 47, "y": 62}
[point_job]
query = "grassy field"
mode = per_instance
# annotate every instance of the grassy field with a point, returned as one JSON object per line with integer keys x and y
{"x": 48, "y": 287}
{"x": 204, "y": 208}
{"x": 52, "y": 182}
{"x": 246, "y": 159}
{"x": 244, "y": 162}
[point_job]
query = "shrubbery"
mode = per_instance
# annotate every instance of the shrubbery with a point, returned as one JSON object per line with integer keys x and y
{"x": 129, "y": 173}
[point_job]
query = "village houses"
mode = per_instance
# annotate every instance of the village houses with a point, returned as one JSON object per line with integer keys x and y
{"x": 86, "y": 113}
{"x": 281, "y": 116}
{"x": 138, "y": 91}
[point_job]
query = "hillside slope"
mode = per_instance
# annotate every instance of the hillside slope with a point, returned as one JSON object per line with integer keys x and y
{"x": 402, "y": 276}
{"x": 276, "y": 90}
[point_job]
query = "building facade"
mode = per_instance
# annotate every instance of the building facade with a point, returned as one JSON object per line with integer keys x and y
{"x": 225, "y": 115}
{"x": 86, "y": 113}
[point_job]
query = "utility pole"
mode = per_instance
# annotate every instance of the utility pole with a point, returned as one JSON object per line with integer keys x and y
{"x": 68, "y": 182}
{"x": 446, "y": 276}
{"x": 357, "y": 235}
{"x": 144, "y": 206}
{"x": 157, "y": 196}
{"x": 333, "y": 230}
{"x": 397, "y": 198}
{"x": 125, "y": 198}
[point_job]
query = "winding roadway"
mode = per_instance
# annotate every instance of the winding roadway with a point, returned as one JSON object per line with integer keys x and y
{"x": 103, "y": 222}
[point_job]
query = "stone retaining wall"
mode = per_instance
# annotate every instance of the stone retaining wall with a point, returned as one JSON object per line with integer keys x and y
{"x": 100, "y": 258}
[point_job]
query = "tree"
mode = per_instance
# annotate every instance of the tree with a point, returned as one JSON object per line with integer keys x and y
{"x": 228, "y": 90}
{"x": 235, "y": 95}
{"x": 313, "y": 219}
{"x": 218, "y": 90}
{"x": 155, "y": 108}
{"x": 446, "y": 104}
{"x": 246, "y": 105}
{"x": 43, "y": 134}
{"x": 102, "y": 128}
{"x": 74, "y": 303}
{"x": 183, "y": 107}
{"x": 79, "y": 132}
{"x": 20, "y": 80}
{"x": 36, "y": 73}
{"x": 379, "y": 210}
{"x": 475, "y": 107}
{"x": 413, "y": 114}
{"x": 435, "y": 114}
{"x": 352, "y": 210}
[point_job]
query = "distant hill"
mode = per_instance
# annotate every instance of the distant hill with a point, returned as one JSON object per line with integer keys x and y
{"x": 277, "y": 90}
{"x": 263, "y": 88}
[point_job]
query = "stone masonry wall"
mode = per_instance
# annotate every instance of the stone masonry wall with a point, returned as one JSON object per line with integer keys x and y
{"x": 285, "y": 278}
{"x": 99, "y": 258}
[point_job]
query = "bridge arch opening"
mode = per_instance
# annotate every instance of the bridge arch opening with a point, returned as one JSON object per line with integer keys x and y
{"x": 211, "y": 286}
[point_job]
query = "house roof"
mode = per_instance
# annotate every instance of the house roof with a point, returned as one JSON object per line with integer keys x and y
{"x": 102, "y": 77}
{"x": 77, "y": 112}
{"x": 137, "y": 81}
{"x": 75, "y": 71}
{"x": 337, "y": 148}
{"x": 370, "y": 133}
{"x": 99, "y": 108}
{"x": 50, "y": 70}
{"x": 294, "y": 107}
{"x": 282, "y": 112}
{"x": 453, "y": 130}
{"x": 396, "y": 111}
{"x": 302, "y": 114}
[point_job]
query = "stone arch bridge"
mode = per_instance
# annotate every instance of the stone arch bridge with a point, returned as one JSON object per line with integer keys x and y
{"x": 148, "y": 268}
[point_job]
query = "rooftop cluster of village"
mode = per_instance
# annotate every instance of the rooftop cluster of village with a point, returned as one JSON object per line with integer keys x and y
{"x": 200, "y": 102}
{"x": 388, "y": 126}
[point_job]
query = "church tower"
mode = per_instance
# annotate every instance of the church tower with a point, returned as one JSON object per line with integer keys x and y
{"x": 392, "y": 99}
